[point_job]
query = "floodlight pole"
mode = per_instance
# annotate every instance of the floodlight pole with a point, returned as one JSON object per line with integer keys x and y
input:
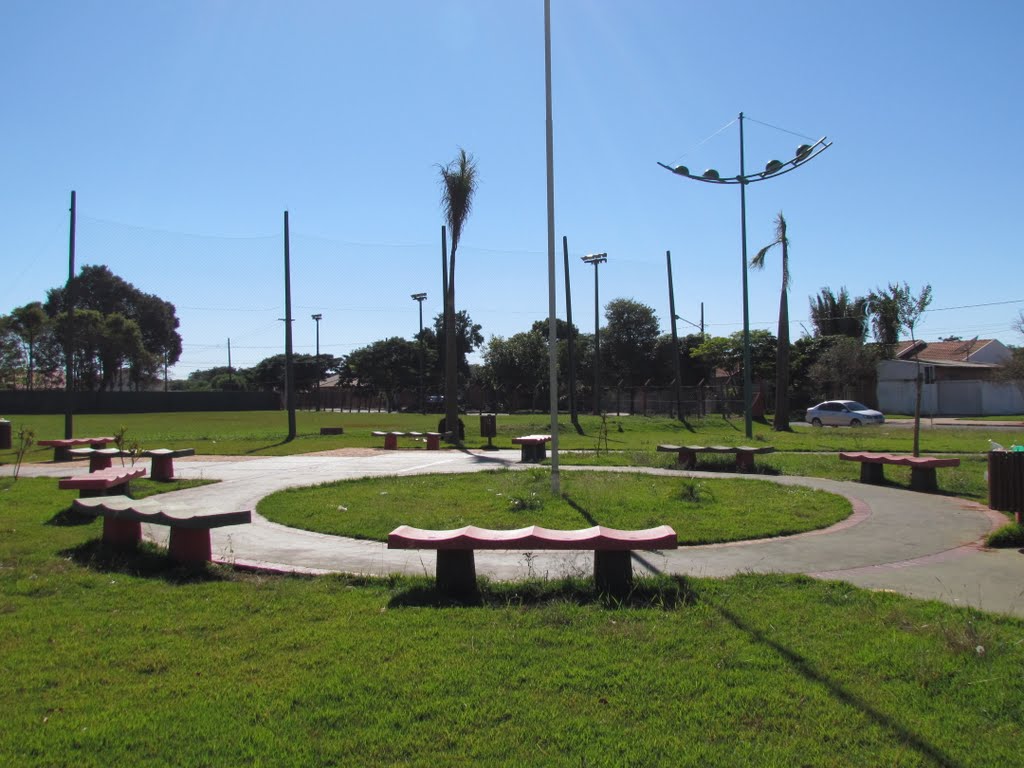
{"x": 317, "y": 318}
{"x": 596, "y": 259}
{"x": 69, "y": 354}
{"x": 419, "y": 297}
{"x": 289, "y": 368}
{"x": 552, "y": 302}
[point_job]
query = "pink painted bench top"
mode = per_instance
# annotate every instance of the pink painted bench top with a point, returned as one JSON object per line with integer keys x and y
{"x": 156, "y": 511}
{"x": 533, "y": 537}
{"x": 102, "y": 479}
{"x": 716, "y": 449}
{"x": 901, "y": 460}
{"x": 73, "y": 442}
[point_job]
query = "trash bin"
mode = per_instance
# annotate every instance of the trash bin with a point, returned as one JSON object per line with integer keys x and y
{"x": 488, "y": 425}
{"x": 5, "y": 435}
{"x": 1006, "y": 481}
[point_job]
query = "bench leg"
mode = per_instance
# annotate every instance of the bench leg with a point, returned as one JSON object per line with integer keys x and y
{"x": 123, "y": 534}
{"x": 162, "y": 468}
{"x": 613, "y": 572}
{"x": 61, "y": 454}
{"x": 456, "y": 571}
{"x": 433, "y": 442}
{"x": 688, "y": 459}
{"x": 533, "y": 454}
{"x": 744, "y": 462}
{"x": 390, "y": 442}
{"x": 923, "y": 479}
{"x": 873, "y": 474}
{"x": 98, "y": 462}
{"x": 190, "y": 545}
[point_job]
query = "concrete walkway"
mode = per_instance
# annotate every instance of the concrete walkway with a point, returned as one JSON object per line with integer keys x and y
{"x": 921, "y": 545}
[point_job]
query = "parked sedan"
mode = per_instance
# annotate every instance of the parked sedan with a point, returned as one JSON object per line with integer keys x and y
{"x": 843, "y": 413}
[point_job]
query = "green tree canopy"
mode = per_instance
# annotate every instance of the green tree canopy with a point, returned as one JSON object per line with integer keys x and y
{"x": 629, "y": 340}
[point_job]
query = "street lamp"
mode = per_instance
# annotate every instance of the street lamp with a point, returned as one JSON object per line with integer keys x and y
{"x": 318, "y": 318}
{"x": 419, "y": 297}
{"x": 595, "y": 259}
{"x": 774, "y": 168}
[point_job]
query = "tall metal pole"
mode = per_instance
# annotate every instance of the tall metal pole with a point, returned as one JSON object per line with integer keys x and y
{"x": 419, "y": 297}
{"x": 747, "y": 387}
{"x": 69, "y": 351}
{"x": 552, "y": 304}
{"x": 595, "y": 259}
{"x": 317, "y": 318}
{"x": 289, "y": 369}
{"x": 573, "y": 413}
{"x": 675, "y": 338}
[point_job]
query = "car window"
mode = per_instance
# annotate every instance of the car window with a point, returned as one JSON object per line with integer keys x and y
{"x": 857, "y": 407}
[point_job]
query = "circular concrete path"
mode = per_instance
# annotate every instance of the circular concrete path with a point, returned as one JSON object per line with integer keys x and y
{"x": 922, "y": 545}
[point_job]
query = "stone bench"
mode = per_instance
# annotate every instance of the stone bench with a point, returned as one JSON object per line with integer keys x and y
{"x": 62, "y": 447}
{"x": 101, "y": 482}
{"x": 533, "y": 448}
{"x": 190, "y": 526}
{"x": 162, "y": 467}
{"x": 456, "y": 566}
{"x": 99, "y": 458}
{"x": 433, "y": 439}
{"x": 744, "y": 454}
{"x": 922, "y": 468}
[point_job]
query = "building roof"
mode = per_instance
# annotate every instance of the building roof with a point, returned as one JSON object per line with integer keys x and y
{"x": 942, "y": 351}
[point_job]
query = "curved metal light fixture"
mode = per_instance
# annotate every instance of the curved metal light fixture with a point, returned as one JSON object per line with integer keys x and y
{"x": 804, "y": 153}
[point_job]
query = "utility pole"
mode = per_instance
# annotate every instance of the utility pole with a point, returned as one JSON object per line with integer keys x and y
{"x": 596, "y": 259}
{"x": 573, "y": 414}
{"x": 675, "y": 339}
{"x": 231, "y": 371}
{"x": 69, "y": 350}
{"x": 289, "y": 370}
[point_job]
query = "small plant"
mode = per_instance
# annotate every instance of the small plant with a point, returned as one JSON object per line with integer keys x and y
{"x": 521, "y": 503}
{"x": 694, "y": 492}
{"x": 119, "y": 441}
{"x": 26, "y": 439}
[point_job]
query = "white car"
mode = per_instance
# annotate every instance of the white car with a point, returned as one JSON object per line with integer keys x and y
{"x": 843, "y": 413}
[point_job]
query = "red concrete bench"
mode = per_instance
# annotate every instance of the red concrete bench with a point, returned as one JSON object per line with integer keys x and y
{"x": 101, "y": 482}
{"x": 533, "y": 448}
{"x": 162, "y": 467}
{"x": 744, "y": 454}
{"x": 433, "y": 439}
{"x": 922, "y": 468}
{"x": 62, "y": 447}
{"x": 456, "y": 567}
{"x": 190, "y": 527}
{"x": 99, "y": 458}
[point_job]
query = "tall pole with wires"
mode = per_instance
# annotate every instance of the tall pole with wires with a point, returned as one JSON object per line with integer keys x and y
{"x": 804, "y": 153}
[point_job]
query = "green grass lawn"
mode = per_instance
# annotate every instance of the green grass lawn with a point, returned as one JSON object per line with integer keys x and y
{"x": 701, "y": 511}
{"x": 111, "y": 660}
{"x": 262, "y": 433}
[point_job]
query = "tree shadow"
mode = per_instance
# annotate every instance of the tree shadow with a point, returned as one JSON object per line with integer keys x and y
{"x": 69, "y": 518}
{"x": 662, "y": 592}
{"x": 806, "y": 669}
{"x": 252, "y": 451}
{"x": 583, "y": 512}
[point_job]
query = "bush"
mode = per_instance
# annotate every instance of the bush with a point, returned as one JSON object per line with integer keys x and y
{"x": 1011, "y": 535}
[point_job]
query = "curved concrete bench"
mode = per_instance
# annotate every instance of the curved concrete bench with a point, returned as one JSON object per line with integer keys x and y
{"x": 456, "y": 567}
{"x": 391, "y": 439}
{"x": 922, "y": 468}
{"x": 533, "y": 448}
{"x": 744, "y": 454}
{"x": 100, "y": 482}
{"x": 162, "y": 467}
{"x": 62, "y": 447}
{"x": 190, "y": 526}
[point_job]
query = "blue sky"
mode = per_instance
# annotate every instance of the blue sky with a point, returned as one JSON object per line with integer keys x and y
{"x": 187, "y": 128}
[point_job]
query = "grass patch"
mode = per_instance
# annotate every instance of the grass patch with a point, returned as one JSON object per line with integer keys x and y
{"x": 121, "y": 664}
{"x": 701, "y": 511}
{"x": 262, "y": 433}
{"x": 1011, "y": 535}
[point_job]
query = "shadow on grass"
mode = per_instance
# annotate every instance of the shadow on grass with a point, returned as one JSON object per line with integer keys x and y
{"x": 583, "y": 513}
{"x": 146, "y": 561}
{"x": 70, "y": 518}
{"x": 806, "y": 669}
{"x": 666, "y": 592}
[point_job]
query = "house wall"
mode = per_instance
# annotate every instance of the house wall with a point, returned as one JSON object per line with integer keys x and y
{"x": 951, "y": 398}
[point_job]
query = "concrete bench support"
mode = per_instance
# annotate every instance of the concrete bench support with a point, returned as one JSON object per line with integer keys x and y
{"x": 162, "y": 467}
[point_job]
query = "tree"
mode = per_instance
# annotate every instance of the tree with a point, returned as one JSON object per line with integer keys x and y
{"x": 468, "y": 338}
{"x": 780, "y": 422}
{"x": 629, "y": 341}
{"x": 458, "y": 183}
{"x": 896, "y": 309}
{"x": 839, "y": 315}
{"x": 269, "y": 373}
{"x": 517, "y": 363}
{"x": 98, "y": 289}
{"x": 388, "y": 366}
{"x": 11, "y": 358}
{"x": 29, "y": 323}
{"x": 845, "y": 365}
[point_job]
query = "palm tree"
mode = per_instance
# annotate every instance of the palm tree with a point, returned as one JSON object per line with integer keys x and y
{"x": 781, "y": 422}
{"x": 458, "y": 183}
{"x": 839, "y": 315}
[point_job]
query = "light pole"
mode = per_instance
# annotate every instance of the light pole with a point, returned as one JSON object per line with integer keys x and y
{"x": 317, "y": 318}
{"x": 595, "y": 259}
{"x": 774, "y": 168}
{"x": 419, "y": 297}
